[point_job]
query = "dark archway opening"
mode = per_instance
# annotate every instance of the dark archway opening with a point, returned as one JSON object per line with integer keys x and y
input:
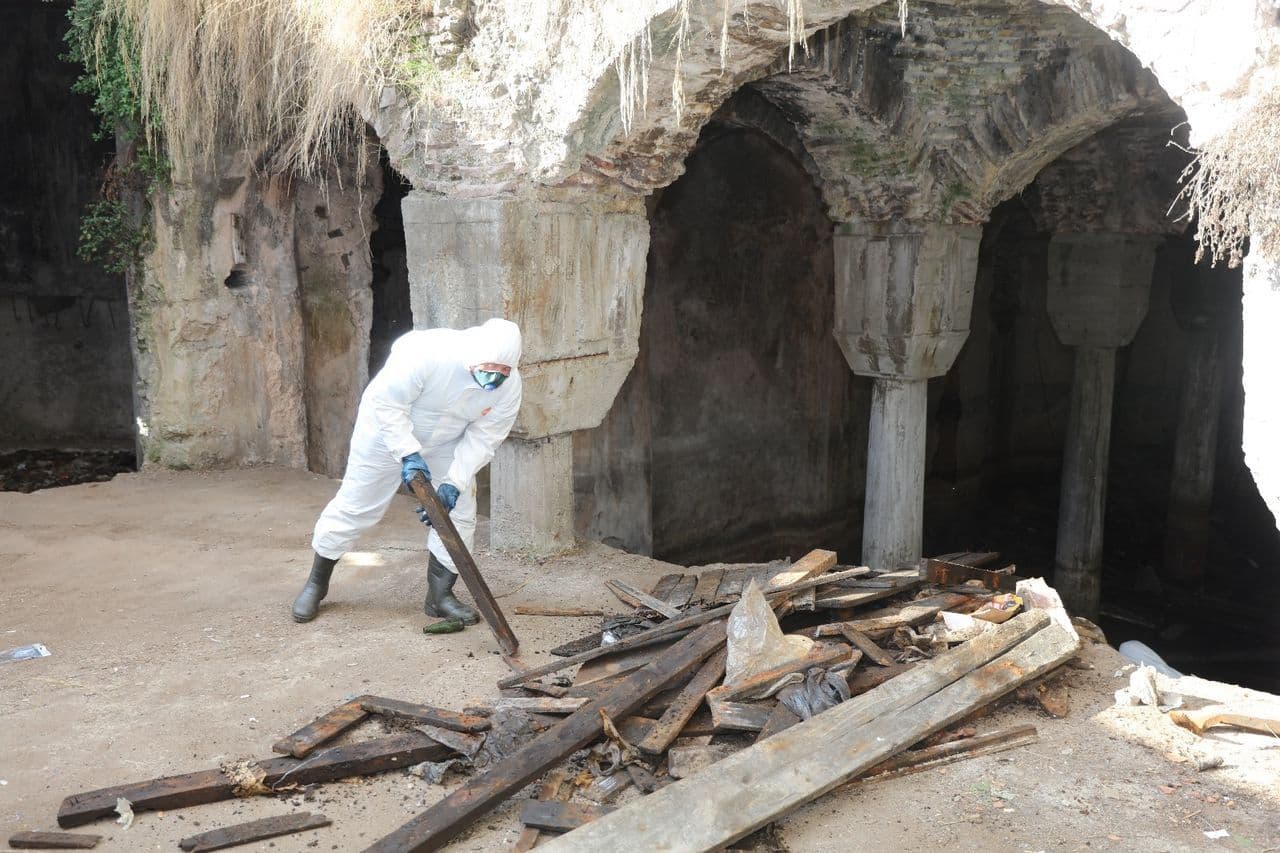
{"x": 392, "y": 315}
{"x": 737, "y": 436}
{"x": 66, "y": 398}
{"x": 996, "y": 434}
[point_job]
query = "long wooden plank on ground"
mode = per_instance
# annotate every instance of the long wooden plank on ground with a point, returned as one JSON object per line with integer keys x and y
{"x": 767, "y": 780}
{"x": 679, "y": 712}
{"x": 465, "y": 564}
{"x": 211, "y": 786}
{"x": 424, "y": 714}
{"x": 434, "y": 827}
{"x": 53, "y": 841}
{"x": 321, "y": 730}
{"x": 666, "y": 630}
{"x": 549, "y": 610}
{"x": 550, "y": 816}
{"x": 251, "y": 831}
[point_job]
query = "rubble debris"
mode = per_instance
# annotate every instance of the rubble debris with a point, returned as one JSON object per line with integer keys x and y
{"x": 251, "y": 831}
{"x": 53, "y": 841}
{"x": 549, "y": 790}
{"x": 447, "y": 818}
{"x": 810, "y": 758}
{"x": 645, "y": 708}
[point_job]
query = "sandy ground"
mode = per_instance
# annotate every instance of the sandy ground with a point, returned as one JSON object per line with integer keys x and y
{"x": 164, "y": 599}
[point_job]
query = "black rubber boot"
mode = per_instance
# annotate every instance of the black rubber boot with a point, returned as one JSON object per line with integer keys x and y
{"x": 441, "y": 601}
{"x": 308, "y": 601}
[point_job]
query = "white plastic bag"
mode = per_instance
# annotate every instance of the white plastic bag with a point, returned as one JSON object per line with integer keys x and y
{"x": 756, "y": 643}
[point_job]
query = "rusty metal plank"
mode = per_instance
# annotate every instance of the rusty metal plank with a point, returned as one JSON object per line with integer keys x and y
{"x": 945, "y": 573}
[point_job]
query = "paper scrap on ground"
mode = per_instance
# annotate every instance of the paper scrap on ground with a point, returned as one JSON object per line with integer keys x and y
{"x": 124, "y": 808}
{"x": 35, "y": 650}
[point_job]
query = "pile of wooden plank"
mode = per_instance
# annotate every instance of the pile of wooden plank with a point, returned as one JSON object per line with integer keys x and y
{"x": 637, "y": 740}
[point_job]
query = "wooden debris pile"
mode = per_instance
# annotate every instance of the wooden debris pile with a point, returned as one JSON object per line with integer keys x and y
{"x": 646, "y": 747}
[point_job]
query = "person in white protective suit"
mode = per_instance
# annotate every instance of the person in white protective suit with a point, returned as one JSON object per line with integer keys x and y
{"x": 441, "y": 405}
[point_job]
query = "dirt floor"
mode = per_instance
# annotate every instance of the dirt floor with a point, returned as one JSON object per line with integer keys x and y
{"x": 164, "y": 599}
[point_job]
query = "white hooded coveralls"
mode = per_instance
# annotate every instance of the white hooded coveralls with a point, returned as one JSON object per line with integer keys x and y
{"x": 425, "y": 400}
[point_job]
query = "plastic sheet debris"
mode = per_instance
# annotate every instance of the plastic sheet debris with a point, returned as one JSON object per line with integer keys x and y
{"x": 820, "y": 690}
{"x": 35, "y": 650}
{"x": 1141, "y": 653}
{"x": 1142, "y": 690}
{"x": 756, "y": 642}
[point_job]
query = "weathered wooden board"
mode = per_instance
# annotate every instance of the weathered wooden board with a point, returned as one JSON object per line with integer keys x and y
{"x": 665, "y": 584}
{"x": 254, "y": 830}
{"x": 885, "y": 621}
{"x": 821, "y": 655}
{"x": 682, "y": 708}
{"x": 628, "y": 594}
{"x": 549, "y": 790}
{"x": 321, "y": 730}
{"x": 866, "y": 645}
{"x": 917, "y": 760}
{"x": 711, "y": 810}
{"x": 837, "y": 599}
{"x": 211, "y": 786}
{"x": 434, "y": 827}
{"x": 462, "y": 743}
{"x": 665, "y": 631}
{"x": 780, "y": 720}
{"x": 708, "y": 583}
{"x": 543, "y": 704}
{"x": 597, "y": 670}
{"x": 550, "y": 816}
{"x": 53, "y": 841}
{"x": 682, "y": 593}
{"x": 424, "y": 714}
{"x": 465, "y": 564}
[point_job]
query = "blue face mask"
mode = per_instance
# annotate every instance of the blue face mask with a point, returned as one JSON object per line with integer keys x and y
{"x": 489, "y": 380}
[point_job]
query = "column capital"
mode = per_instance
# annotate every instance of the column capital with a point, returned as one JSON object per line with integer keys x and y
{"x": 567, "y": 266}
{"x": 1099, "y": 286}
{"x": 904, "y": 291}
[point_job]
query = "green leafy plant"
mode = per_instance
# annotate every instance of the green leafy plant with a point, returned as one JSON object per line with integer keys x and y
{"x": 112, "y": 233}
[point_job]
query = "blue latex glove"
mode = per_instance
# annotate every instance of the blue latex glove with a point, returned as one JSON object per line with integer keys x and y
{"x": 411, "y": 463}
{"x": 448, "y": 494}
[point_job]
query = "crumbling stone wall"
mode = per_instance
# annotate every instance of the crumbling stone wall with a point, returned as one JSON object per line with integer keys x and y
{"x": 64, "y": 323}
{"x": 252, "y": 318}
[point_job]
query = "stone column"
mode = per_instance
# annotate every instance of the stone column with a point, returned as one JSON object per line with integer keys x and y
{"x": 570, "y": 270}
{"x": 1200, "y": 300}
{"x": 1099, "y": 285}
{"x": 903, "y": 295}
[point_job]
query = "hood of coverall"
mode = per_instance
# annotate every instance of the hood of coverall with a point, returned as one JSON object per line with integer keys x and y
{"x": 495, "y": 341}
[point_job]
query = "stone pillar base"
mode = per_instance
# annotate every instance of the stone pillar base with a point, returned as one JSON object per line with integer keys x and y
{"x": 532, "y": 495}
